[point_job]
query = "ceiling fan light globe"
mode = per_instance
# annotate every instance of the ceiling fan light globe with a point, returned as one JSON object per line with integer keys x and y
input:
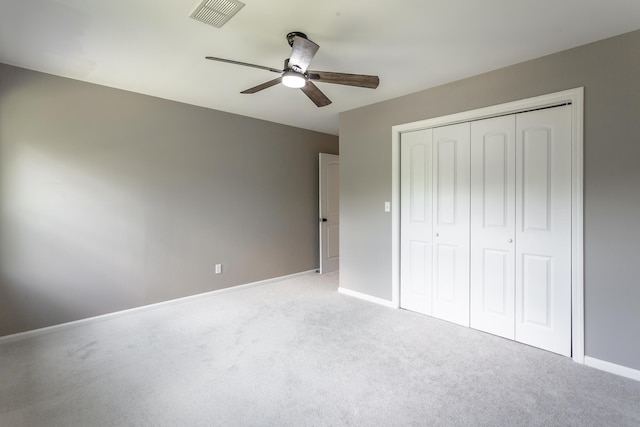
{"x": 293, "y": 79}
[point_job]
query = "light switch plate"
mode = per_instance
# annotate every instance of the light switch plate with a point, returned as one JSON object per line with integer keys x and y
{"x": 387, "y": 206}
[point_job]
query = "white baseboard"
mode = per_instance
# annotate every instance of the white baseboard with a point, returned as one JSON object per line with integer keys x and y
{"x": 366, "y": 297}
{"x": 613, "y": 368}
{"x": 35, "y": 332}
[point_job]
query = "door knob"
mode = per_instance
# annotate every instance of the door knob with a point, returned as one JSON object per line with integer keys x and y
{"x": 437, "y": 234}
{"x": 510, "y": 240}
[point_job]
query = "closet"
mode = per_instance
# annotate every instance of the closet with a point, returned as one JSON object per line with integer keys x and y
{"x": 485, "y": 225}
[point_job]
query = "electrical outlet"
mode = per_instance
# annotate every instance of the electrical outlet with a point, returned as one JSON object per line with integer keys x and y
{"x": 218, "y": 268}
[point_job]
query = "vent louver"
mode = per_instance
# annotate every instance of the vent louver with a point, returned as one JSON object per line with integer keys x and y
{"x": 216, "y": 12}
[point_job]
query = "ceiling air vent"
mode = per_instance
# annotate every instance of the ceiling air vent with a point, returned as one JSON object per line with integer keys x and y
{"x": 216, "y": 12}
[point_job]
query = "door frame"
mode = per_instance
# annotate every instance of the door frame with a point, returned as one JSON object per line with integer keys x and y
{"x": 576, "y": 98}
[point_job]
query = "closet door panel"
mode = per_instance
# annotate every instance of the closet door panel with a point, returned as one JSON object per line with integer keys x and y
{"x": 543, "y": 229}
{"x": 416, "y": 221}
{"x": 492, "y": 304}
{"x": 451, "y": 223}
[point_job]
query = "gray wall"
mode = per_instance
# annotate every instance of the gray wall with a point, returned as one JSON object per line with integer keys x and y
{"x": 111, "y": 200}
{"x": 609, "y": 70}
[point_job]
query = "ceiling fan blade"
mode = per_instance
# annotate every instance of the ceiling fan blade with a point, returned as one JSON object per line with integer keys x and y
{"x": 314, "y": 94}
{"x": 359, "y": 80}
{"x": 263, "y": 86}
{"x": 246, "y": 64}
{"x": 302, "y": 52}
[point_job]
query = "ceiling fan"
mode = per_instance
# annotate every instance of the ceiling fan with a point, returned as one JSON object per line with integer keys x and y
{"x": 296, "y": 75}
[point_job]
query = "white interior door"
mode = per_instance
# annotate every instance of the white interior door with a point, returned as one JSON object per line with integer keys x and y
{"x": 416, "y": 219}
{"x": 493, "y": 161}
{"x": 451, "y": 223}
{"x": 329, "y": 204}
{"x": 543, "y": 229}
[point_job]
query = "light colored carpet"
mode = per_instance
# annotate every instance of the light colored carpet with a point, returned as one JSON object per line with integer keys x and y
{"x": 297, "y": 353}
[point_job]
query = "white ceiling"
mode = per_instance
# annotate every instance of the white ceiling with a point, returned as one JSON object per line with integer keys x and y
{"x": 154, "y": 48}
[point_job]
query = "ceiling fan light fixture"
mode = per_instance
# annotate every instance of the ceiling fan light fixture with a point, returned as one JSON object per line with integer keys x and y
{"x": 293, "y": 79}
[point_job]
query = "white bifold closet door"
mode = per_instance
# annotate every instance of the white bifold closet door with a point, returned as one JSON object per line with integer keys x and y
{"x": 486, "y": 225}
{"x": 543, "y": 229}
{"x": 521, "y": 227}
{"x": 435, "y": 222}
{"x": 416, "y": 232}
{"x": 493, "y": 223}
{"x": 451, "y": 223}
